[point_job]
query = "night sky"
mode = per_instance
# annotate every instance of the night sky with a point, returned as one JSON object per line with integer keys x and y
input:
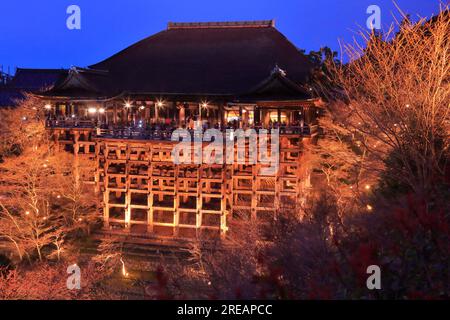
{"x": 34, "y": 33}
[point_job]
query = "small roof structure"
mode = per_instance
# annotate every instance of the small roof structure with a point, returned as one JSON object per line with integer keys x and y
{"x": 29, "y": 80}
{"x": 36, "y": 79}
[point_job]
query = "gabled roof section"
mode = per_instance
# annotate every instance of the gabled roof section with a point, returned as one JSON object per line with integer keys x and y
{"x": 36, "y": 79}
{"x": 29, "y": 81}
{"x": 219, "y": 58}
{"x": 277, "y": 86}
{"x": 77, "y": 78}
{"x": 81, "y": 82}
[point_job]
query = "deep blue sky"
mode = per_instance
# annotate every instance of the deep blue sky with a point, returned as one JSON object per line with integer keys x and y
{"x": 34, "y": 33}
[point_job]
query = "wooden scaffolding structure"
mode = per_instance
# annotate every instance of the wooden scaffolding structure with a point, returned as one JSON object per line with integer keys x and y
{"x": 145, "y": 192}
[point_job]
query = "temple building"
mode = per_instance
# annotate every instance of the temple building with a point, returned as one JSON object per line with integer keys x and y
{"x": 120, "y": 114}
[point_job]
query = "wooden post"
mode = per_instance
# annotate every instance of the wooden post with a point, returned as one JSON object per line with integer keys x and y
{"x": 241, "y": 120}
{"x": 128, "y": 192}
{"x": 181, "y": 116}
{"x": 147, "y": 115}
{"x": 223, "y": 203}
{"x": 150, "y": 195}
{"x": 106, "y": 209}
{"x": 115, "y": 114}
{"x": 199, "y": 203}
{"x": 156, "y": 113}
{"x": 255, "y": 186}
{"x": 176, "y": 218}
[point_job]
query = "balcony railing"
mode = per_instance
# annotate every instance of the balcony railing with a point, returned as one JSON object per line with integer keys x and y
{"x": 70, "y": 123}
{"x": 161, "y": 132}
{"x": 166, "y": 133}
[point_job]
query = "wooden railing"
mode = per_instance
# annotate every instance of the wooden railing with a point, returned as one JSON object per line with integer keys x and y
{"x": 157, "y": 132}
{"x": 70, "y": 124}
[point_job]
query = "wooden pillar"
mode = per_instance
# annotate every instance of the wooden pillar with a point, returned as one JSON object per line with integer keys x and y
{"x": 97, "y": 171}
{"x": 266, "y": 117}
{"x": 222, "y": 118}
{"x": 277, "y": 189}
{"x": 223, "y": 203}
{"x": 106, "y": 209}
{"x": 254, "y": 201}
{"x": 156, "y": 113}
{"x": 176, "y": 217}
{"x": 150, "y": 195}
{"x": 198, "y": 220}
{"x": 307, "y": 115}
{"x": 181, "y": 115}
{"x": 128, "y": 192}
{"x": 147, "y": 115}
{"x": 124, "y": 116}
{"x": 257, "y": 115}
{"x": 240, "y": 117}
{"x": 115, "y": 114}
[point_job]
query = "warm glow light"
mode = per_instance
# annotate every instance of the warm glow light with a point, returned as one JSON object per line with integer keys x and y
{"x": 204, "y": 104}
{"x": 159, "y": 103}
{"x": 45, "y": 165}
{"x": 92, "y": 110}
{"x": 124, "y": 271}
{"x": 73, "y": 116}
{"x": 367, "y": 187}
{"x": 101, "y": 110}
{"x": 58, "y": 196}
{"x": 369, "y": 207}
{"x": 142, "y": 107}
{"x": 27, "y": 212}
{"x": 48, "y": 106}
{"x": 127, "y": 103}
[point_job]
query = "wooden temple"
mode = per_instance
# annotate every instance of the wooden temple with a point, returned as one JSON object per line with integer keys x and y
{"x": 119, "y": 115}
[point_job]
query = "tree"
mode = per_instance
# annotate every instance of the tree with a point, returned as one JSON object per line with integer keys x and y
{"x": 44, "y": 281}
{"x": 350, "y": 171}
{"x": 224, "y": 269}
{"x": 42, "y": 201}
{"x": 40, "y": 204}
{"x": 395, "y": 92}
{"x": 22, "y": 126}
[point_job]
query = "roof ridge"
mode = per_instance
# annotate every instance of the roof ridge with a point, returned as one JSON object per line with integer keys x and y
{"x": 40, "y": 70}
{"x": 224, "y": 24}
